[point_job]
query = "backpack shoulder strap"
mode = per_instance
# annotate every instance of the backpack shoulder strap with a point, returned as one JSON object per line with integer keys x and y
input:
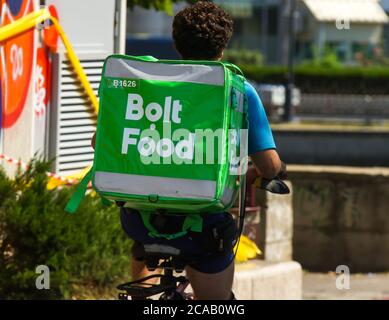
{"x": 79, "y": 194}
{"x": 192, "y": 222}
{"x": 234, "y": 68}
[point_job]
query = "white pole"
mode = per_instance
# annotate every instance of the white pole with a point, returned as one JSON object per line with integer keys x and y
{"x": 121, "y": 11}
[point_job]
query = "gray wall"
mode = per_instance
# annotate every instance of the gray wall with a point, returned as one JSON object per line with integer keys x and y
{"x": 341, "y": 218}
{"x": 87, "y": 30}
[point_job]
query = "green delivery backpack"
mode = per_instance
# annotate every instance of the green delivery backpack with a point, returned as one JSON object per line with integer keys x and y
{"x": 171, "y": 136}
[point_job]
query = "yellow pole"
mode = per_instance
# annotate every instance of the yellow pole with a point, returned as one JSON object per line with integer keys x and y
{"x": 77, "y": 65}
{"x": 23, "y": 24}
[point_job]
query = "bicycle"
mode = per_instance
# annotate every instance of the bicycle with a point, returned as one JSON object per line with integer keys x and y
{"x": 170, "y": 287}
{"x": 173, "y": 287}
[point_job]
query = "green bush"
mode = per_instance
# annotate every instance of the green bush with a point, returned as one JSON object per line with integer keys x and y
{"x": 327, "y": 60}
{"x": 321, "y": 79}
{"x": 86, "y": 249}
{"x": 264, "y": 74}
{"x": 243, "y": 56}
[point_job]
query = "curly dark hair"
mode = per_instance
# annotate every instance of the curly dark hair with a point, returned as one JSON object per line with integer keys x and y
{"x": 202, "y": 31}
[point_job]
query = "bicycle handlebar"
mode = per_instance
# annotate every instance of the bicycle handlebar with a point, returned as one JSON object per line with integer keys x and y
{"x": 275, "y": 185}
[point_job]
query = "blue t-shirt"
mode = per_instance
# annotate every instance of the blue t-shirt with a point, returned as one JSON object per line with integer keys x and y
{"x": 260, "y": 135}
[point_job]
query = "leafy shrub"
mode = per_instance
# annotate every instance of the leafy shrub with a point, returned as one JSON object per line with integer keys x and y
{"x": 88, "y": 248}
{"x": 322, "y": 79}
{"x": 327, "y": 60}
{"x": 243, "y": 56}
{"x": 264, "y": 74}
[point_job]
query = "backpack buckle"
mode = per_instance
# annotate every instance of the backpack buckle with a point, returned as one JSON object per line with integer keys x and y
{"x": 234, "y": 100}
{"x": 153, "y": 198}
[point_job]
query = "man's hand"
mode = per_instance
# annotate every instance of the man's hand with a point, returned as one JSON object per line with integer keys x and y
{"x": 283, "y": 174}
{"x": 275, "y": 185}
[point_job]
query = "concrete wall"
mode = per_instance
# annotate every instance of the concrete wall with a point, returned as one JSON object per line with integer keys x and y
{"x": 275, "y": 225}
{"x": 259, "y": 280}
{"x": 274, "y": 276}
{"x": 17, "y": 140}
{"x": 341, "y": 217}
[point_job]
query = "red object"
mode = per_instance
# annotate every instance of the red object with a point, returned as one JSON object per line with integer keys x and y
{"x": 50, "y": 33}
{"x": 17, "y": 54}
{"x": 42, "y": 81}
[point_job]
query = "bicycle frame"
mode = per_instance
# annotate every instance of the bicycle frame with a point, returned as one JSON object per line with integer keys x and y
{"x": 170, "y": 287}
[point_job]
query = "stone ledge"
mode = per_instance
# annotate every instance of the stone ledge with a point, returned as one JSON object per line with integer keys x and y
{"x": 316, "y": 127}
{"x": 294, "y": 169}
{"x": 260, "y": 280}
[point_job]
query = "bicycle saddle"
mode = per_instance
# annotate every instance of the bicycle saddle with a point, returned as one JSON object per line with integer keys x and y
{"x": 171, "y": 257}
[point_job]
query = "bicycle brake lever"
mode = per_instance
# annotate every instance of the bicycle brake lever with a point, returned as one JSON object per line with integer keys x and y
{"x": 275, "y": 185}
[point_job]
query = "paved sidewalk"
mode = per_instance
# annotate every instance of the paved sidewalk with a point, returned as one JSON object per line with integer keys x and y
{"x": 370, "y": 286}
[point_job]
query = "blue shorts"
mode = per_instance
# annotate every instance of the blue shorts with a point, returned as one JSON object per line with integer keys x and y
{"x": 205, "y": 262}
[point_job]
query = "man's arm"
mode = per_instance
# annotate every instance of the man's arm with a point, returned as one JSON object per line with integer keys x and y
{"x": 262, "y": 148}
{"x": 267, "y": 163}
{"x": 93, "y": 141}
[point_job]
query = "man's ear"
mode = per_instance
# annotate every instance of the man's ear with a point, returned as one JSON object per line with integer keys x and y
{"x": 221, "y": 56}
{"x": 175, "y": 48}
